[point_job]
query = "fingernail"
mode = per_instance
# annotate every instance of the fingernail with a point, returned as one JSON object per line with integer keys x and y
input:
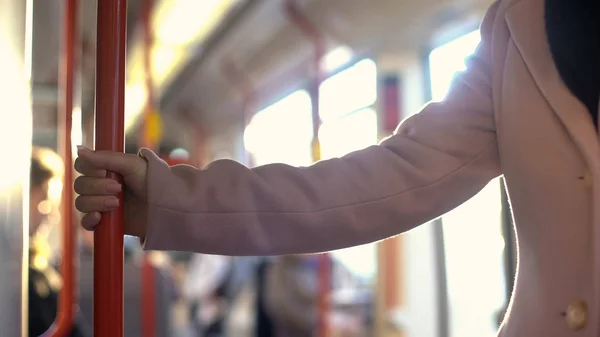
{"x": 112, "y": 203}
{"x": 113, "y": 188}
{"x": 81, "y": 148}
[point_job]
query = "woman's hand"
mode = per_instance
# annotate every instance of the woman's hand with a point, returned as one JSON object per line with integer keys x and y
{"x": 98, "y": 194}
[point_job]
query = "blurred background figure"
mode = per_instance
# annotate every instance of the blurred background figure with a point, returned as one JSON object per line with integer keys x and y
{"x": 264, "y": 323}
{"x": 205, "y": 287}
{"x": 44, "y": 280}
{"x": 291, "y": 299}
{"x": 165, "y": 293}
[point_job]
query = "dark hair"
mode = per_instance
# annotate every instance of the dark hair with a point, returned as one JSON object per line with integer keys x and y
{"x": 40, "y": 172}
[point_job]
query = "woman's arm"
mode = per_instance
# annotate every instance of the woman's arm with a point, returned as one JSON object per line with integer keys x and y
{"x": 435, "y": 161}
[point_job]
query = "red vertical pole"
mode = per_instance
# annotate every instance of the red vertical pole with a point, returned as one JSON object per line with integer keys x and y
{"x": 242, "y": 82}
{"x": 63, "y": 323}
{"x": 199, "y": 147}
{"x": 110, "y": 132}
{"x": 325, "y": 264}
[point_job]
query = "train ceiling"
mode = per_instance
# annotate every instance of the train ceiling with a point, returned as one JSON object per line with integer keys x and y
{"x": 255, "y": 36}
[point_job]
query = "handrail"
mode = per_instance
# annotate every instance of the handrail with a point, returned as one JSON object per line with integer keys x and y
{"x": 318, "y": 40}
{"x": 148, "y": 286}
{"x": 63, "y": 323}
{"x": 110, "y": 131}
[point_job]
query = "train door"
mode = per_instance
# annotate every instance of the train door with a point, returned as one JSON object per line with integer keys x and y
{"x": 473, "y": 240}
{"x": 15, "y": 140}
{"x": 282, "y": 132}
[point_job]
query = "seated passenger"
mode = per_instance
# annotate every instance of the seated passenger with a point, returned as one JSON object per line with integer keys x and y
{"x": 44, "y": 280}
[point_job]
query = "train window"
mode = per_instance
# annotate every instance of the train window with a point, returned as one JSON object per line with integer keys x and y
{"x": 473, "y": 239}
{"x": 76, "y": 130}
{"x": 282, "y": 132}
{"x": 350, "y": 124}
{"x": 353, "y": 132}
{"x": 337, "y": 58}
{"x": 350, "y": 90}
{"x": 446, "y": 60}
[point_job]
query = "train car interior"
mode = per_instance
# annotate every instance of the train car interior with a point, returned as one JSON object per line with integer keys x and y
{"x": 257, "y": 82}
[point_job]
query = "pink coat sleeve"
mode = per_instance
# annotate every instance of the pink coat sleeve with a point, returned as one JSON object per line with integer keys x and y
{"x": 435, "y": 161}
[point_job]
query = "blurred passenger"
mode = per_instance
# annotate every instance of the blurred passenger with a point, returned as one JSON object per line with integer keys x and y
{"x": 44, "y": 279}
{"x": 206, "y": 288}
{"x": 291, "y": 298}
{"x": 132, "y": 284}
{"x": 264, "y": 322}
{"x": 242, "y": 296}
{"x": 526, "y": 107}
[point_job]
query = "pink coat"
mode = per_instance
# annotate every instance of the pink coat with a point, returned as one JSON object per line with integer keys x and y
{"x": 509, "y": 113}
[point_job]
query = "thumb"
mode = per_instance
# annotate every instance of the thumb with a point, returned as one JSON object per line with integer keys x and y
{"x": 118, "y": 162}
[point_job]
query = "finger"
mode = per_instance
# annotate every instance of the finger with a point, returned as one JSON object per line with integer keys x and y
{"x": 88, "y": 204}
{"x": 84, "y": 167}
{"x": 90, "y": 220}
{"x": 122, "y": 163}
{"x": 85, "y": 185}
